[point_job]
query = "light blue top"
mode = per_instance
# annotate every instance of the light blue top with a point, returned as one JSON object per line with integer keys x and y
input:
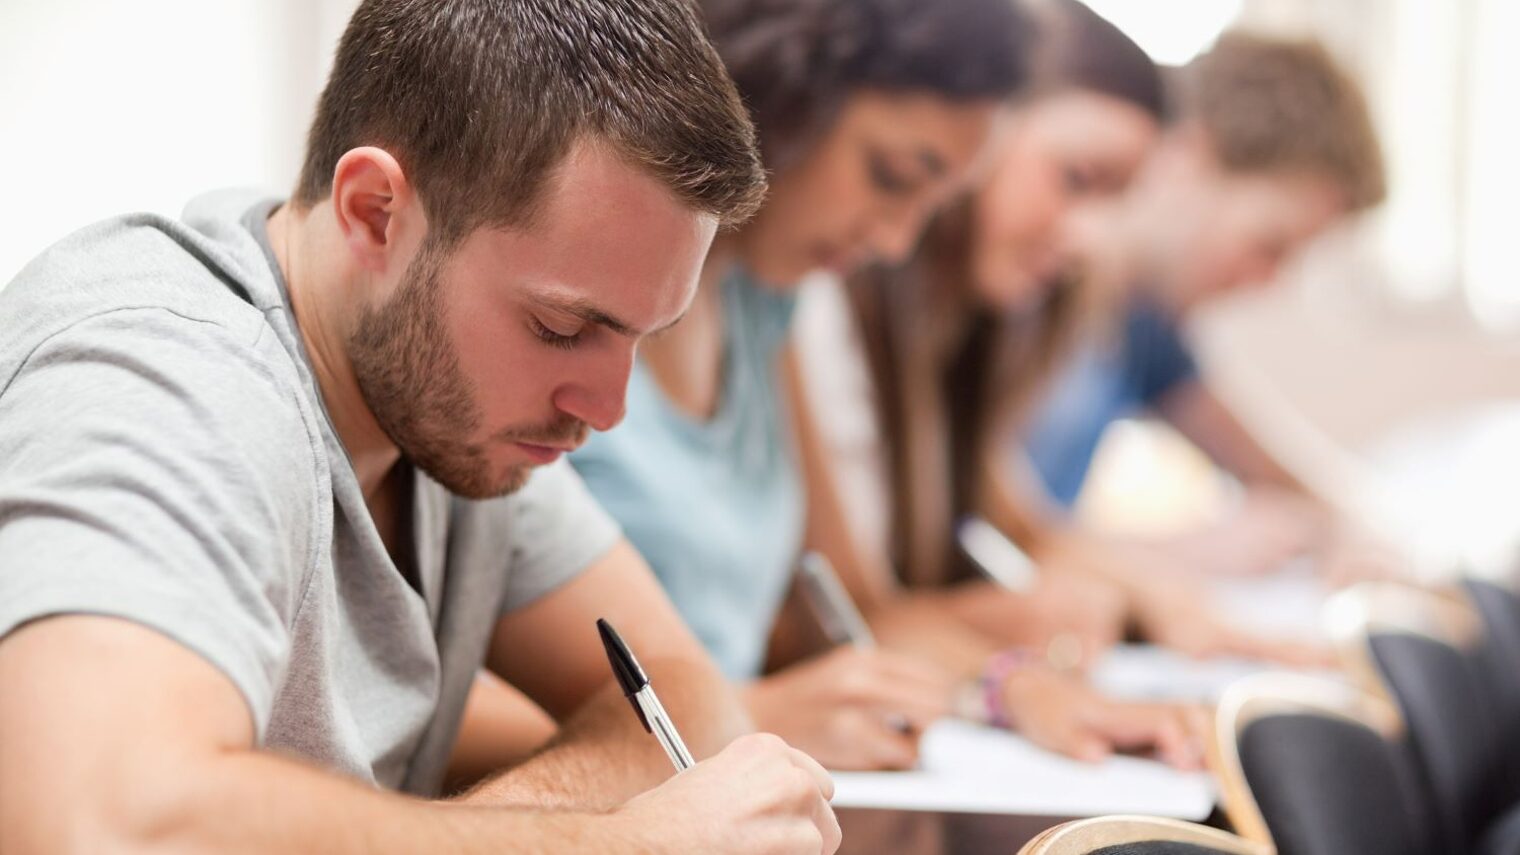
{"x": 716, "y": 507}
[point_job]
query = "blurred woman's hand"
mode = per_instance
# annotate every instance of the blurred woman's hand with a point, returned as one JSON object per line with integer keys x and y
{"x": 1079, "y": 607}
{"x": 853, "y": 708}
{"x": 1173, "y": 615}
{"x": 1063, "y": 714}
{"x": 1355, "y": 554}
{"x": 1070, "y": 617}
{"x": 1269, "y": 529}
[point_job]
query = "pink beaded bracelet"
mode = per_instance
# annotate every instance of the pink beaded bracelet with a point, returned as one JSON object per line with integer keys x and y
{"x": 995, "y": 679}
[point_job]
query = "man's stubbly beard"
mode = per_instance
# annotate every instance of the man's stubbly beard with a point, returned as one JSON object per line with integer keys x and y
{"x": 409, "y": 374}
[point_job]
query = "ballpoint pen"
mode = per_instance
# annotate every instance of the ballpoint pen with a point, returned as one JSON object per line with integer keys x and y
{"x": 999, "y": 559}
{"x": 831, "y": 603}
{"x": 641, "y": 695}
{"x": 842, "y": 622}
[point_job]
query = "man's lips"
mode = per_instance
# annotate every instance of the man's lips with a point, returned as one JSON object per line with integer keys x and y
{"x": 544, "y": 454}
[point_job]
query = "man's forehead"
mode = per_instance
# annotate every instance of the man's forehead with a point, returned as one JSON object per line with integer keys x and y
{"x": 610, "y": 244}
{"x": 595, "y": 175}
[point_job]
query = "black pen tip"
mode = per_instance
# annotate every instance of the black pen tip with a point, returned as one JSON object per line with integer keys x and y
{"x": 626, "y": 668}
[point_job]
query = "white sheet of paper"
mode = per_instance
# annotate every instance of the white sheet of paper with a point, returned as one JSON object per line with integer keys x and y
{"x": 1285, "y": 604}
{"x": 1144, "y": 672}
{"x": 968, "y": 768}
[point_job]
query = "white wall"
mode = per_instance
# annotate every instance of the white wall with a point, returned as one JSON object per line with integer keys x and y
{"x": 108, "y": 107}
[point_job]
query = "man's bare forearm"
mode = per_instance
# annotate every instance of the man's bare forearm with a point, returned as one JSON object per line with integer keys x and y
{"x": 252, "y": 802}
{"x": 602, "y": 756}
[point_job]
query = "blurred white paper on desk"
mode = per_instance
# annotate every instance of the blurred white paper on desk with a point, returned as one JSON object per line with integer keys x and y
{"x": 968, "y": 768}
{"x": 1285, "y": 604}
{"x": 1144, "y": 672}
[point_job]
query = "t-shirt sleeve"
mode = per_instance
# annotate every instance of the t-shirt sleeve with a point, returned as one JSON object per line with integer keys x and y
{"x": 558, "y": 530}
{"x": 1156, "y": 355}
{"x": 156, "y": 469}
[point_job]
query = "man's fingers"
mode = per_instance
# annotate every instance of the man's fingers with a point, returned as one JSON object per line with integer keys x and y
{"x": 820, "y": 775}
{"x": 828, "y": 828}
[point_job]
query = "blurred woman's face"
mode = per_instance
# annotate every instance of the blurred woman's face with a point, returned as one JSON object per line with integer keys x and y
{"x": 1063, "y": 154}
{"x": 864, "y": 191}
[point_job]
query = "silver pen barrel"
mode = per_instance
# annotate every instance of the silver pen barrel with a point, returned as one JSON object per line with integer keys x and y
{"x": 831, "y": 603}
{"x": 664, "y": 730}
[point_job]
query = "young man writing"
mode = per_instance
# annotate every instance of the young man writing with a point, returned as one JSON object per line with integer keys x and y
{"x": 267, "y": 498}
{"x": 1274, "y": 147}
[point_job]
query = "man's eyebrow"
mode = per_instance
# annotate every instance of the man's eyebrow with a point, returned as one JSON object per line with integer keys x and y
{"x": 589, "y": 312}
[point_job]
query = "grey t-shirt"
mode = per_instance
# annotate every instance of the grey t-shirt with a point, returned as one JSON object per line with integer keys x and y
{"x": 165, "y": 458}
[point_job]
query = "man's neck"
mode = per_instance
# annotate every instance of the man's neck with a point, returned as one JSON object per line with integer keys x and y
{"x": 322, "y": 298}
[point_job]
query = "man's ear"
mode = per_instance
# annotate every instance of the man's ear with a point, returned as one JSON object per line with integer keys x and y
{"x": 375, "y": 207}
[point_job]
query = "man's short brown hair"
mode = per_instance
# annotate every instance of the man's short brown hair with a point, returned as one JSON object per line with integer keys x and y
{"x": 1276, "y": 105}
{"x": 481, "y": 100}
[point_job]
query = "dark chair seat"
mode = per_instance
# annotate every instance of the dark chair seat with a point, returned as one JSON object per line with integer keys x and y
{"x": 1452, "y": 729}
{"x": 1499, "y": 664}
{"x": 1503, "y": 836}
{"x": 1331, "y": 786}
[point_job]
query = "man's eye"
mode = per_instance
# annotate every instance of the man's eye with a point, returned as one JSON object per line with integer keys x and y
{"x": 552, "y": 338}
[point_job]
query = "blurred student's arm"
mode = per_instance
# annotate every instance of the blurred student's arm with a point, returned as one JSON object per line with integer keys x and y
{"x": 1281, "y": 508}
{"x": 829, "y": 529}
{"x": 1198, "y": 414}
{"x": 1144, "y": 576}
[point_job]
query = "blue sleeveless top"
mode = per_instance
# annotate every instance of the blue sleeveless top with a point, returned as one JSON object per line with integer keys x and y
{"x": 716, "y": 507}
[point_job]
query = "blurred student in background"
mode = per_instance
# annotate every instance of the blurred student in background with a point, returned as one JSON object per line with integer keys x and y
{"x": 870, "y": 114}
{"x": 971, "y": 301}
{"x": 959, "y": 342}
{"x": 867, "y": 129}
{"x": 1275, "y": 147}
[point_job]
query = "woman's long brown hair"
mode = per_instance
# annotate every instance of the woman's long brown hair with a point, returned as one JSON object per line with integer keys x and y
{"x": 953, "y": 376}
{"x": 951, "y": 379}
